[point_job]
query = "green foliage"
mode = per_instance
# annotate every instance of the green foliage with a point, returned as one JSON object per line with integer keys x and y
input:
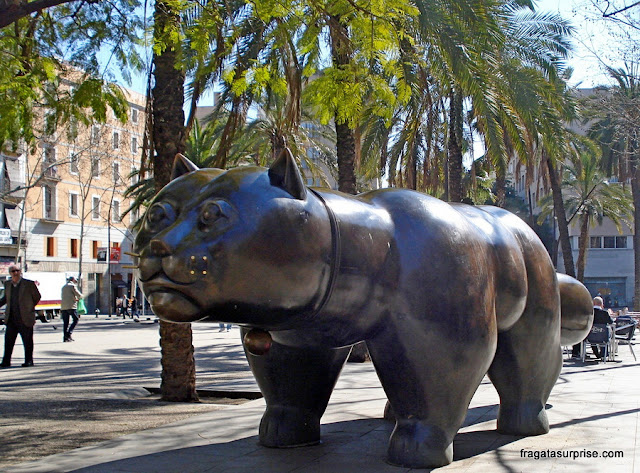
{"x": 42, "y": 51}
{"x": 403, "y": 58}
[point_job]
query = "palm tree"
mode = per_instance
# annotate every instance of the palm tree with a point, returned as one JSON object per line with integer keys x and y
{"x": 589, "y": 196}
{"x": 201, "y": 144}
{"x": 176, "y": 340}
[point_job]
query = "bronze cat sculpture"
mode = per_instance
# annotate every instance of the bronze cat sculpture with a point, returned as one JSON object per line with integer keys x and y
{"x": 441, "y": 293}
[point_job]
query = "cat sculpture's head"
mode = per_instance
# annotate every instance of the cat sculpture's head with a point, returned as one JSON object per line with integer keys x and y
{"x": 249, "y": 245}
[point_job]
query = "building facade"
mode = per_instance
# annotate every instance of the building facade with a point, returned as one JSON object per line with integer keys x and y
{"x": 66, "y": 216}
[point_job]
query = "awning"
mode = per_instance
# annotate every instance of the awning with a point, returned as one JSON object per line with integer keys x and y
{"x": 14, "y": 176}
{"x": 13, "y": 220}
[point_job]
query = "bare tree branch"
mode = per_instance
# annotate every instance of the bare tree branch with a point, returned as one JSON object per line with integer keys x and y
{"x": 12, "y": 10}
{"x": 607, "y": 15}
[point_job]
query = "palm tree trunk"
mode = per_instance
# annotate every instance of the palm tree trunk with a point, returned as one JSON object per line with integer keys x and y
{"x": 501, "y": 187}
{"x": 345, "y": 137}
{"x": 583, "y": 245}
{"x": 561, "y": 214}
{"x": 346, "y": 152}
{"x": 412, "y": 168}
{"x": 176, "y": 340}
{"x": 455, "y": 146}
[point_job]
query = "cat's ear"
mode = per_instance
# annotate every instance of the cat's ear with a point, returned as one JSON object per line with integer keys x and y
{"x": 181, "y": 165}
{"x": 284, "y": 173}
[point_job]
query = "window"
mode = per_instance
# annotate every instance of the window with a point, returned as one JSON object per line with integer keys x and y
{"x": 73, "y": 247}
{"x": 95, "y": 167}
{"x": 73, "y": 163}
{"x": 48, "y": 203}
{"x": 51, "y": 246}
{"x": 572, "y": 242}
{"x": 116, "y": 140}
{"x": 95, "y": 208}
{"x": 134, "y": 176}
{"x": 116, "y": 172}
{"x": 72, "y": 128}
{"x": 94, "y": 249}
{"x": 95, "y": 135}
{"x": 612, "y": 290}
{"x": 608, "y": 242}
{"x": 134, "y": 144}
{"x": 115, "y": 211}
{"x": 134, "y": 115}
{"x": 73, "y": 204}
{"x": 49, "y": 161}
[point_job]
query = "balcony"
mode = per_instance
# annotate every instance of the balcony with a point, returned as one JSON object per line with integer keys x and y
{"x": 50, "y": 172}
{"x": 51, "y": 214}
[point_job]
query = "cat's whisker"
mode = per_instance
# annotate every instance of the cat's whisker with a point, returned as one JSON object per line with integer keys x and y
{"x": 131, "y": 254}
{"x": 130, "y": 266}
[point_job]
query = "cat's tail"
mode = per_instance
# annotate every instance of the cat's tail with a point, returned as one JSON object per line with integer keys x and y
{"x": 576, "y": 309}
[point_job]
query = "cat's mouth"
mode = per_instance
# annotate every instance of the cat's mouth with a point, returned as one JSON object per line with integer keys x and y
{"x": 170, "y": 301}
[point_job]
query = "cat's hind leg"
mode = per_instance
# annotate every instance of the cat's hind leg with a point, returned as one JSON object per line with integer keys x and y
{"x": 296, "y": 384}
{"x": 429, "y": 376}
{"x": 526, "y": 366}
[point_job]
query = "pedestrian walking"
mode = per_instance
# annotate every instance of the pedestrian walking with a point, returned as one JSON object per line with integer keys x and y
{"x": 21, "y": 297}
{"x": 118, "y": 306}
{"x": 69, "y": 308}
{"x": 131, "y": 306}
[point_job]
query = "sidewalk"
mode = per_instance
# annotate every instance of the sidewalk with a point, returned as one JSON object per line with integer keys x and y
{"x": 592, "y": 410}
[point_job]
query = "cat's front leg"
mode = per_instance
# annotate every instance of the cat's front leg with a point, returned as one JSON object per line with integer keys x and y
{"x": 296, "y": 384}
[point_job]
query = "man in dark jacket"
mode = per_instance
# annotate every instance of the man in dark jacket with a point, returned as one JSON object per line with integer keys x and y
{"x": 20, "y": 296}
{"x": 600, "y": 316}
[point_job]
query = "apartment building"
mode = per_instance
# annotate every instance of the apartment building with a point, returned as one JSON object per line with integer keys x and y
{"x": 66, "y": 216}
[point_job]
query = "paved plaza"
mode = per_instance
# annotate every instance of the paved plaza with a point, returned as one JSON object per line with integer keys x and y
{"x": 593, "y": 411}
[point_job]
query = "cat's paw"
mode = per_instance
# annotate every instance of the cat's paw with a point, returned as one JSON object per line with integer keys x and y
{"x": 286, "y": 426}
{"x": 417, "y": 445}
{"x": 526, "y": 418}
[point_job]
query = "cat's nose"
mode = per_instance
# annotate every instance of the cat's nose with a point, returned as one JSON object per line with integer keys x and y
{"x": 159, "y": 248}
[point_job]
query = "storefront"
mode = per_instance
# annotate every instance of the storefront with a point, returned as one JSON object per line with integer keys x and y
{"x": 611, "y": 289}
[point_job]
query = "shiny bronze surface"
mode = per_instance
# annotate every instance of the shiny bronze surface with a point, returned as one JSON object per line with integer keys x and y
{"x": 442, "y": 294}
{"x": 257, "y": 342}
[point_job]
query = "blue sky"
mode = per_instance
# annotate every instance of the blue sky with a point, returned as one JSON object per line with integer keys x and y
{"x": 593, "y": 40}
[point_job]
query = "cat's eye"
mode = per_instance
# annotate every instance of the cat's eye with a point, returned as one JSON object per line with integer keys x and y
{"x": 159, "y": 215}
{"x": 212, "y": 212}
